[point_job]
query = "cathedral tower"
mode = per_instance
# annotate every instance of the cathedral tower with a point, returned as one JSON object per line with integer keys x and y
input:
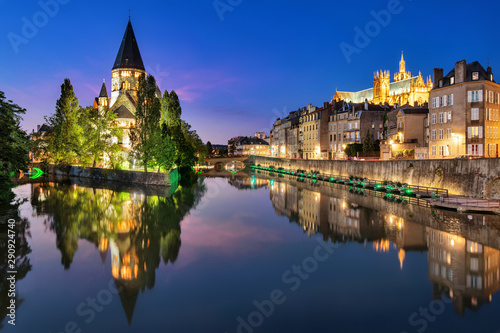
{"x": 128, "y": 67}
{"x": 402, "y": 74}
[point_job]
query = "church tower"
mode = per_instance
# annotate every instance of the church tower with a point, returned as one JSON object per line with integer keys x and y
{"x": 128, "y": 67}
{"x": 381, "y": 87}
{"x": 402, "y": 74}
{"x": 103, "y": 100}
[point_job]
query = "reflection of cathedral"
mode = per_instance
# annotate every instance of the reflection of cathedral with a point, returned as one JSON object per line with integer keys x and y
{"x": 405, "y": 89}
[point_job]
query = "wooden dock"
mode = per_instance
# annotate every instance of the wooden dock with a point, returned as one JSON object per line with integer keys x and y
{"x": 467, "y": 204}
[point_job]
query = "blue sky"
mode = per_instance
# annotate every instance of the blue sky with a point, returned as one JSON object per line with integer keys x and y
{"x": 234, "y": 75}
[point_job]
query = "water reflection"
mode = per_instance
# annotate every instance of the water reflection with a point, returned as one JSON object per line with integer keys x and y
{"x": 21, "y": 233}
{"x": 463, "y": 250}
{"x": 138, "y": 228}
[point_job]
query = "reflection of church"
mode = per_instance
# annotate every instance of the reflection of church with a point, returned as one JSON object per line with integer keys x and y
{"x": 405, "y": 89}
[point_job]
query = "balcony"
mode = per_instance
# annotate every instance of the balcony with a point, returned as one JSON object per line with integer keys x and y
{"x": 352, "y": 140}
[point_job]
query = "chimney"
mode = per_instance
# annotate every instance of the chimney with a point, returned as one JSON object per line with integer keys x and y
{"x": 460, "y": 71}
{"x": 437, "y": 74}
{"x": 304, "y": 109}
{"x": 37, "y": 128}
{"x": 309, "y": 107}
{"x": 366, "y": 104}
{"x": 326, "y": 105}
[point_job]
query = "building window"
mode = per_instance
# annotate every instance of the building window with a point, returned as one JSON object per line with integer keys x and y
{"x": 440, "y": 83}
{"x": 452, "y": 80}
{"x": 433, "y": 118}
{"x": 441, "y": 117}
{"x": 441, "y": 131}
{"x": 475, "y": 96}
{"x": 450, "y": 100}
{"x": 441, "y": 151}
{"x": 448, "y": 133}
{"x": 126, "y": 73}
{"x": 475, "y": 132}
{"x": 449, "y": 116}
{"x": 433, "y": 137}
{"x": 373, "y": 125}
{"x": 475, "y": 76}
{"x": 433, "y": 151}
{"x": 474, "y": 114}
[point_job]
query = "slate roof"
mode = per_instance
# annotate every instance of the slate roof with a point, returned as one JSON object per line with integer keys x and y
{"x": 123, "y": 112}
{"x": 470, "y": 68}
{"x": 129, "y": 55}
{"x": 104, "y": 92}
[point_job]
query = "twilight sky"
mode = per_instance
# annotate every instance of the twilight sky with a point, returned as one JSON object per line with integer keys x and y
{"x": 240, "y": 66}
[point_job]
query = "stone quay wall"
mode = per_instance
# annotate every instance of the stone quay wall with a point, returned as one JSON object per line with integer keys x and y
{"x": 125, "y": 176}
{"x": 476, "y": 178}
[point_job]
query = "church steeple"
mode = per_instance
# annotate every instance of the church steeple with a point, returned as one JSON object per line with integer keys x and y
{"x": 402, "y": 74}
{"x": 402, "y": 64}
{"x": 128, "y": 67}
{"x": 104, "y": 91}
{"x": 129, "y": 55}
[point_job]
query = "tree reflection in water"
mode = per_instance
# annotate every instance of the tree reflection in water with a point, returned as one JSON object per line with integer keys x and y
{"x": 139, "y": 227}
{"x": 23, "y": 265}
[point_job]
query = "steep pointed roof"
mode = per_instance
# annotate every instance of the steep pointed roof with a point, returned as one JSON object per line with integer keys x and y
{"x": 104, "y": 92}
{"x": 129, "y": 55}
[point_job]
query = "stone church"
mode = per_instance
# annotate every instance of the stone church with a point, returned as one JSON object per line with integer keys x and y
{"x": 127, "y": 69}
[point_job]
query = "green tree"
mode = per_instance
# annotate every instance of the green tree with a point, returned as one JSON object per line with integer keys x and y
{"x": 164, "y": 149}
{"x": 353, "y": 149}
{"x": 209, "y": 147}
{"x": 386, "y": 126}
{"x": 188, "y": 146}
{"x": 144, "y": 135}
{"x": 368, "y": 146}
{"x": 14, "y": 147}
{"x": 101, "y": 133}
{"x": 65, "y": 140}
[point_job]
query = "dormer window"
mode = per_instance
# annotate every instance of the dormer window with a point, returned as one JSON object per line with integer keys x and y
{"x": 491, "y": 77}
{"x": 475, "y": 76}
{"x": 440, "y": 83}
{"x": 452, "y": 80}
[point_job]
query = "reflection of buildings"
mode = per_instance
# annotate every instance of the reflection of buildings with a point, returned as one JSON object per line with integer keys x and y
{"x": 467, "y": 270}
{"x": 243, "y": 182}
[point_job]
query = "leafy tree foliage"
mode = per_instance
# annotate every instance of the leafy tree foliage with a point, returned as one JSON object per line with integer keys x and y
{"x": 209, "y": 147}
{"x": 144, "y": 136}
{"x": 65, "y": 140}
{"x": 100, "y": 131}
{"x": 368, "y": 146}
{"x": 14, "y": 147}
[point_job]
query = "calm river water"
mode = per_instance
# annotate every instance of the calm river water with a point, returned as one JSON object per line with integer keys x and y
{"x": 245, "y": 254}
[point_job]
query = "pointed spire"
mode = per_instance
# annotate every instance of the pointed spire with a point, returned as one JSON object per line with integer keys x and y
{"x": 104, "y": 92}
{"x": 402, "y": 59}
{"x": 129, "y": 55}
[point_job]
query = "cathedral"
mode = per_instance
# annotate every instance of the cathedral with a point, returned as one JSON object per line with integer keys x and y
{"x": 127, "y": 69}
{"x": 405, "y": 89}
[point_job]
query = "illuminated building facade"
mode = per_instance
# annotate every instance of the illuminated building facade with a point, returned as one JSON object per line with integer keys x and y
{"x": 127, "y": 69}
{"x": 405, "y": 89}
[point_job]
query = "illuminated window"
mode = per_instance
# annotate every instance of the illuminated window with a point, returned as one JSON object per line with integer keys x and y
{"x": 114, "y": 75}
{"x": 126, "y": 73}
{"x": 475, "y": 76}
{"x": 452, "y": 80}
{"x": 126, "y": 85}
{"x": 137, "y": 74}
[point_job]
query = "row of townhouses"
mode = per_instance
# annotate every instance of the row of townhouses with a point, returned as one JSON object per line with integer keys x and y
{"x": 450, "y": 116}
